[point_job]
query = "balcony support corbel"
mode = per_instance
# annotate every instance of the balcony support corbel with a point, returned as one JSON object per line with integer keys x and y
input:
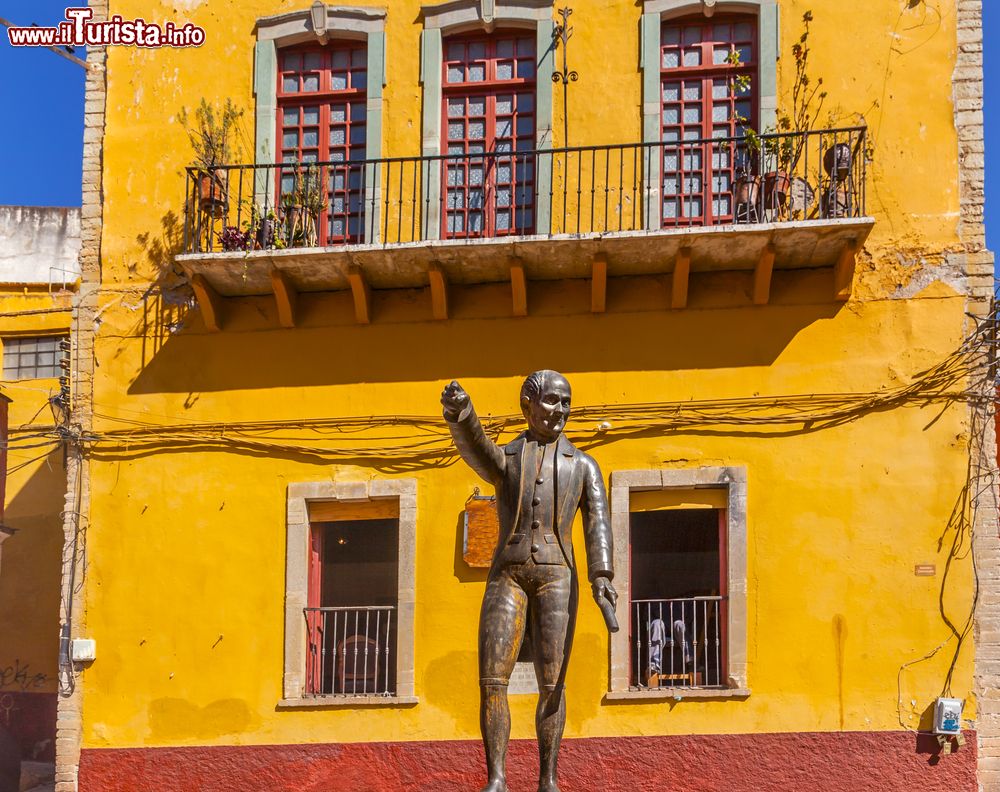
{"x": 362, "y": 294}
{"x": 762, "y": 275}
{"x": 439, "y": 291}
{"x": 599, "y": 284}
{"x": 285, "y": 296}
{"x": 843, "y": 271}
{"x": 518, "y": 287}
{"x": 209, "y": 301}
{"x": 681, "y": 275}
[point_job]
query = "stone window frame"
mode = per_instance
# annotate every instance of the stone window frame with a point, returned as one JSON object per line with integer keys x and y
{"x": 463, "y": 16}
{"x": 295, "y": 27}
{"x": 298, "y": 527}
{"x": 733, "y": 479}
{"x": 654, "y": 14}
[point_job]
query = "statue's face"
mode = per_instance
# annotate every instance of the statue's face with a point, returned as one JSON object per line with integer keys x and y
{"x": 547, "y": 414}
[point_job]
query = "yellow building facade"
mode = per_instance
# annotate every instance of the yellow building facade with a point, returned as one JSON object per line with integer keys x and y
{"x": 777, "y": 351}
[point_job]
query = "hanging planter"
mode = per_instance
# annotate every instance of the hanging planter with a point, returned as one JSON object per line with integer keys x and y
{"x": 837, "y": 161}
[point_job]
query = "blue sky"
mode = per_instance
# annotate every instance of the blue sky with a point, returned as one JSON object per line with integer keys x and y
{"x": 44, "y": 96}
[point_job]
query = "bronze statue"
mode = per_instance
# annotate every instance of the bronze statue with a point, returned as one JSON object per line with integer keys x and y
{"x": 541, "y": 480}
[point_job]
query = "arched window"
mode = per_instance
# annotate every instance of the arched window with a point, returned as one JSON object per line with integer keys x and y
{"x": 322, "y": 108}
{"x": 488, "y": 129}
{"x": 709, "y": 88}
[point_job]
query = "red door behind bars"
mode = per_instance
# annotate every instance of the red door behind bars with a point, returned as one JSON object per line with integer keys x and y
{"x": 488, "y": 117}
{"x": 703, "y": 101}
{"x": 322, "y": 107}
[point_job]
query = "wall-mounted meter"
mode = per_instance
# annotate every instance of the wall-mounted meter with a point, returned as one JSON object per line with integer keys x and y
{"x": 948, "y": 716}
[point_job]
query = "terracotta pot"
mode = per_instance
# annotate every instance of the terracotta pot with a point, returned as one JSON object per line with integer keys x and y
{"x": 746, "y": 190}
{"x": 776, "y": 186}
{"x": 212, "y": 193}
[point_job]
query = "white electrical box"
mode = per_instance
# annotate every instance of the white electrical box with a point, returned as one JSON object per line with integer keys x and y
{"x": 948, "y": 716}
{"x": 83, "y": 650}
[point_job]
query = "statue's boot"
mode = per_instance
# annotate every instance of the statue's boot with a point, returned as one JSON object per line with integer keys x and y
{"x": 496, "y": 785}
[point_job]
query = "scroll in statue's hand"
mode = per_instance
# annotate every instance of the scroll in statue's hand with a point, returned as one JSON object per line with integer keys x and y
{"x": 606, "y": 598}
{"x": 454, "y": 399}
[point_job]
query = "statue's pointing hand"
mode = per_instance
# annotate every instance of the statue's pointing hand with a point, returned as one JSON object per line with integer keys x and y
{"x": 454, "y": 399}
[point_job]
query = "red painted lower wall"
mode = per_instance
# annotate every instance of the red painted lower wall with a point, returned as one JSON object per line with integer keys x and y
{"x": 811, "y": 762}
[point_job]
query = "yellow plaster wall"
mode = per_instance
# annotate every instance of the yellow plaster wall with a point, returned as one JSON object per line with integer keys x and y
{"x": 185, "y": 582}
{"x": 30, "y": 568}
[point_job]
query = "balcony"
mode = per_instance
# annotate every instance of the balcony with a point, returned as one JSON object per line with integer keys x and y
{"x": 776, "y": 202}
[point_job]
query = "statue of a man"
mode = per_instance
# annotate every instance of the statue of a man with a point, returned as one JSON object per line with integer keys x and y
{"x": 541, "y": 481}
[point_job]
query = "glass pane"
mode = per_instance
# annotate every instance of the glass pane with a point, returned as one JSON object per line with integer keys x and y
{"x": 503, "y": 221}
{"x": 505, "y": 49}
{"x": 671, "y": 59}
{"x": 743, "y": 31}
{"x": 341, "y": 59}
{"x": 358, "y": 134}
{"x": 477, "y": 73}
{"x": 310, "y": 137}
{"x": 310, "y": 83}
{"x": 477, "y": 130}
{"x": 505, "y": 70}
{"x": 720, "y": 89}
{"x": 339, "y": 81}
{"x": 291, "y": 62}
{"x": 505, "y": 105}
{"x": 692, "y": 35}
{"x": 670, "y": 161}
{"x": 503, "y": 173}
{"x": 525, "y": 102}
{"x": 692, "y": 114}
{"x": 504, "y": 128}
{"x": 475, "y": 222}
{"x": 525, "y": 171}
{"x": 722, "y": 206}
{"x": 291, "y": 116}
{"x": 503, "y": 197}
{"x": 743, "y": 108}
{"x": 475, "y": 199}
{"x": 692, "y": 134}
{"x": 456, "y": 130}
{"x": 476, "y": 174}
{"x": 455, "y": 74}
{"x": 671, "y": 35}
{"x": 746, "y": 54}
{"x": 310, "y": 156}
{"x": 671, "y": 115}
{"x": 337, "y": 226}
{"x": 692, "y": 207}
{"x": 456, "y": 108}
{"x": 312, "y": 61}
{"x": 290, "y": 140}
{"x": 720, "y": 111}
{"x": 526, "y": 46}
{"x": 671, "y": 135}
{"x": 670, "y": 209}
{"x": 525, "y": 126}
{"x": 692, "y": 90}
{"x": 671, "y": 92}
{"x": 359, "y": 111}
{"x": 720, "y": 159}
{"x": 477, "y": 106}
{"x": 359, "y": 80}
{"x": 720, "y": 55}
{"x": 503, "y": 146}
{"x": 310, "y": 116}
{"x": 525, "y": 217}
{"x": 721, "y": 182}
{"x": 670, "y": 185}
{"x": 456, "y": 177}
{"x": 525, "y": 69}
{"x": 477, "y": 50}
{"x": 721, "y": 32}
{"x": 339, "y": 181}
{"x": 692, "y": 160}
{"x": 456, "y": 199}
{"x": 338, "y": 136}
{"x": 339, "y": 204}
{"x": 456, "y": 223}
{"x": 359, "y": 57}
{"x": 692, "y": 57}
{"x": 290, "y": 83}
{"x": 456, "y": 51}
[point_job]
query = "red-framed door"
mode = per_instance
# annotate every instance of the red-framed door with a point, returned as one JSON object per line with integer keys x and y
{"x": 322, "y": 118}
{"x": 488, "y": 107}
{"x": 706, "y": 93}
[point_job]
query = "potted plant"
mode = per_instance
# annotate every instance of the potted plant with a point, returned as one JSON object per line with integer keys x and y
{"x": 301, "y": 206}
{"x": 212, "y": 132}
{"x": 781, "y": 146}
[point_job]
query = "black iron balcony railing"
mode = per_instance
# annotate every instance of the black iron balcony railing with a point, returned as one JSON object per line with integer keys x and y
{"x": 634, "y": 187}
